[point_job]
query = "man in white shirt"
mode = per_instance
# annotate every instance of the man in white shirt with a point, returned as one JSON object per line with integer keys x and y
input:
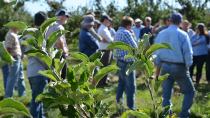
{"x": 103, "y": 31}
{"x": 63, "y": 17}
{"x": 137, "y": 28}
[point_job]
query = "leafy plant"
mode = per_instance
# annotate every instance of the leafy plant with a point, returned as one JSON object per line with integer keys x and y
{"x": 77, "y": 95}
{"x": 143, "y": 56}
{"x": 10, "y": 107}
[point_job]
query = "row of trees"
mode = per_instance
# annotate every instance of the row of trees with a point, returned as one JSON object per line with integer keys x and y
{"x": 193, "y": 10}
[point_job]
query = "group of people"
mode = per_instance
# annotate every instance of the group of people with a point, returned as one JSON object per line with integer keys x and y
{"x": 13, "y": 73}
{"x": 189, "y": 50}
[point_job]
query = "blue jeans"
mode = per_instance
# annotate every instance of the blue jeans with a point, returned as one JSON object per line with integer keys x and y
{"x": 5, "y": 72}
{"x": 15, "y": 75}
{"x": 37, "y": 84}
{"x": 126, "y": 83}
{"x": 180, "y": 74}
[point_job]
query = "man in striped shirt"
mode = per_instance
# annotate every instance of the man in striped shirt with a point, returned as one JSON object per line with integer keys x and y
{"x": 126, "y": 82}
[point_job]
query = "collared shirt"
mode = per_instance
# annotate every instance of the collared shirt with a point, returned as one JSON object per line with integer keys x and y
{"x": 125, "y": 36}
{"x": 55, "y": 27}
{"x": 103, "y": 31}
{"x": 179, "y": 41}
{"x": 201, "y": 47}
{"x": 137, "y": 31}
{"x": 12, "y": 42}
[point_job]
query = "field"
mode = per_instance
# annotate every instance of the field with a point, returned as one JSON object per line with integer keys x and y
{"x": 200, "y": 108}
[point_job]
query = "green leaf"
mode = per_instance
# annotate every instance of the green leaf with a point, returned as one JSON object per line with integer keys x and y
{"x": 47, "y": 23}
{"x": 58, "y": 54}
{"x": 34, "y": 50}
{"x": 16, "y": 24}
{"x": 54, "y": 37}
{"x": 44, "y": 58}
{"x": 129, "y": 56}
{"x": 31, "y": 42}
{"x": 95, "y": 56}
{"x": 71, "y": 77}
{"x": 30, "y": 31}
{"x": 80, "y": 56}
{"x": 138, "y": 114}
{"x": 49, "y": 74}
{"x": 156, "y": 47}
{"x": 121, "y": 45}
{"x": 83, "y": 77}
{"x": 11, "y": 106}
{"x": 136, "y": 65}
{"x": 58, "y": 65}
{"x": 4, "y": 54}
{"x": 159, "y": 81}
{"x": 104, "y": 71}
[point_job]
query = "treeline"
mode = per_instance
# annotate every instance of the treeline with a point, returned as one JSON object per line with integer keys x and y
{"x": 193, "y": 10}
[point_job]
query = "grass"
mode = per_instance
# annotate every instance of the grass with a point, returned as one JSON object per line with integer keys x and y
{"x": 200, "y": 108}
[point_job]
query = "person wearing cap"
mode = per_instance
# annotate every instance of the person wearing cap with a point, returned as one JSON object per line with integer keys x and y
{"x": 62, "y": 17}
{"x": 103, "y": 31}
{"x": 126, "y": 83}
{"x": 137, "y": 28}
{"x": 15, "y": 70}
{"x": 87, "y": 43}
{"x": 175, "y": 62}
{"x": 37, "y": 81}
{"x": 200, "y": 51}
{"x": 185, "y": 25}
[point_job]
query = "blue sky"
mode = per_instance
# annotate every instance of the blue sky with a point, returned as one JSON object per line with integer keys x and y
{"x": 71, "y": 5}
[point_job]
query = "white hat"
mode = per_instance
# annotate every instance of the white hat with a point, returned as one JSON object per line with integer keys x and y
{"x": 138, "y": 20}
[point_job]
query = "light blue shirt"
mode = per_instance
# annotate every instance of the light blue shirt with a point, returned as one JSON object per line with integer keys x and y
{"x": 201, "y": 45}
{"x": 179, "y": 41}
{"x": 137, "y": 31}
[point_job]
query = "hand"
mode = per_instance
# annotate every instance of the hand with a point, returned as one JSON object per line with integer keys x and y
{"x": 104, "y": 40}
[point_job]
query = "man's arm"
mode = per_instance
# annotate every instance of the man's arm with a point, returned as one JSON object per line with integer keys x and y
{"x": 187, "y": 51}
{"x": 61, "y": 44}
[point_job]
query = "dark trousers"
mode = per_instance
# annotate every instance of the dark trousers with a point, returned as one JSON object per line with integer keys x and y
{"x": 64, "y": 70}
{"x": 208, "y": 67}
{"x": 105, "y": 60}
{"x": 198, "y": 62}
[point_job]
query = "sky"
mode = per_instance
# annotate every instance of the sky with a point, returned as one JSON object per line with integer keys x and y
{"x": 71, "y": 5}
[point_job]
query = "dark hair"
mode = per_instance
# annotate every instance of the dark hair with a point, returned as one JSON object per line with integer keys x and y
{"x": 126, "y": 21}
{"x": 202, "y": 31}
{"x": 201, "y": 28}
{"x": 39, "y": 18}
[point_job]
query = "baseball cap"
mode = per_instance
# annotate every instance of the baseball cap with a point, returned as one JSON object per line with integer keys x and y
{"x": 176, "y": 17}
{"x": 106, "y": 17}
{"x": 62, "y": 12}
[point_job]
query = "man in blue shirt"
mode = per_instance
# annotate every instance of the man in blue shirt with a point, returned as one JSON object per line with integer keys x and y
{"x": 126, "y": 82}
{"x": 176, "y": 63}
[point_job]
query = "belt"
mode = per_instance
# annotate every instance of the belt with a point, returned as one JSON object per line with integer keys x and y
{"x": 175, "y": 63}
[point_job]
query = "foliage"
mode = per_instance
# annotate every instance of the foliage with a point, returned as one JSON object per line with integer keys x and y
{"x": 75, "y": 96}
{"x": 143, "y": 63}
{"x": 12, "y": 11}
{"x": 4, "y": 54}
{"x": 10, "y": 107}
